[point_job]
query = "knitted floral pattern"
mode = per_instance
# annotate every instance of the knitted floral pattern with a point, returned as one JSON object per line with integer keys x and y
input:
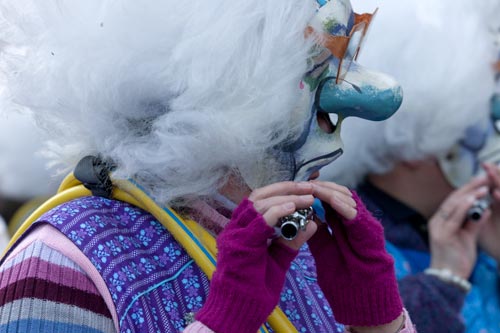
{"x": 155, "y": 285}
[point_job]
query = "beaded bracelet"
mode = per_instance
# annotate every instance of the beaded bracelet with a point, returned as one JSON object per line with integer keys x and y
{"x": 448, "y": 276}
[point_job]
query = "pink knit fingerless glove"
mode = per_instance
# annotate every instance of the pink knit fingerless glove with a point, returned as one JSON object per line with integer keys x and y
{"x": 354, "y": 270}
{"x": 249, "y": 277}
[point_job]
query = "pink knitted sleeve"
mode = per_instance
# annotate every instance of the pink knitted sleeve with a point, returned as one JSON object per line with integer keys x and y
{"x": 407, "y": 327}
{"x": 197, "y": 327}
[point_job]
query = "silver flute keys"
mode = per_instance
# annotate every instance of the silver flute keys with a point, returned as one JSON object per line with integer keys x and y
{"x": 475, "y": 213}
{"x": 289, "y": 226}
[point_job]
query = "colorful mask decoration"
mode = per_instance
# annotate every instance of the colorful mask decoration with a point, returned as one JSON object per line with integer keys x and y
{"x": 481, "y": 144}
{"x": 337, "y": 87}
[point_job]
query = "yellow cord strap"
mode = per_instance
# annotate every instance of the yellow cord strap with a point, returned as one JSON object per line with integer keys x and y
{"x": 198, "y": 243}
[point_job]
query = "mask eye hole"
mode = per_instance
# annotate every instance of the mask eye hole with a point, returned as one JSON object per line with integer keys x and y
{"x": 334, "y": 119}
{"x": 450, "y": 156}
{"x": 327, "y": 122}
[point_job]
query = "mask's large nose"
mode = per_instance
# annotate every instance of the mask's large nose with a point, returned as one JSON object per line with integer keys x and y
{"x": 361, "y": 93}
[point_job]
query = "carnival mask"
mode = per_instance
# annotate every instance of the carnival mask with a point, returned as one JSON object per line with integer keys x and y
{"x": 462, "y": 162}
{"x": 338, "y": 87}
{"x": 481, "y": 144}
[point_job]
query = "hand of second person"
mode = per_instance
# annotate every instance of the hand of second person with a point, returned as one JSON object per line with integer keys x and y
{"x": 453, "y": 240}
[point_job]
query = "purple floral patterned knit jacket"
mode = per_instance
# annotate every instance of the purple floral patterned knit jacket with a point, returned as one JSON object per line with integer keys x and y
{"x": 153, "y": 283}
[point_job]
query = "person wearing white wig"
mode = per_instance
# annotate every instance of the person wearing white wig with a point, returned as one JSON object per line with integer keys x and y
{"x": 219, "y": 110}
{"x": 415, "y": 172}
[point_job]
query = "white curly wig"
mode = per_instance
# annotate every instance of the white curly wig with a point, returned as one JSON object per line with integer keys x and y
{"x": 176, "y": 93}
{"x": 442, "y": 54}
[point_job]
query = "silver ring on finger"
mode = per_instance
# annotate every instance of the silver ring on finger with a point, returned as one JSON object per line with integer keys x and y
{"x": 444, "y": 214}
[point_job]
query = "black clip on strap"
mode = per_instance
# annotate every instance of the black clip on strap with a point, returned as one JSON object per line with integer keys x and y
{"x": 94, "y": 175}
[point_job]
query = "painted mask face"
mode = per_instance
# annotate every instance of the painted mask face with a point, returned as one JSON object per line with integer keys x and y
{"x": 481, "y": 144}
{"x": 338, "y": 87}
{"x": 462, "y": 162}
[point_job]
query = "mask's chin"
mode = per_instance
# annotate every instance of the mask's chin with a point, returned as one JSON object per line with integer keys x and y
{"x": 322, "y": 146}
{"x": 308, "y": 169}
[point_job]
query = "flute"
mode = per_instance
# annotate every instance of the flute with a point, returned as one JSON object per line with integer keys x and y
{"x": 475, "y": 213}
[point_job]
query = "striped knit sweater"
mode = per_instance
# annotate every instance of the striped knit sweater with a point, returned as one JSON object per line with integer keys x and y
{"x": 41, "y": 290}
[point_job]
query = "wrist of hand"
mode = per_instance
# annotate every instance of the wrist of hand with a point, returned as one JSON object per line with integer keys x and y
{"x": 459, "y": 262}
{"x": 448, "y": 276}
{"x": 395, "y": 326}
